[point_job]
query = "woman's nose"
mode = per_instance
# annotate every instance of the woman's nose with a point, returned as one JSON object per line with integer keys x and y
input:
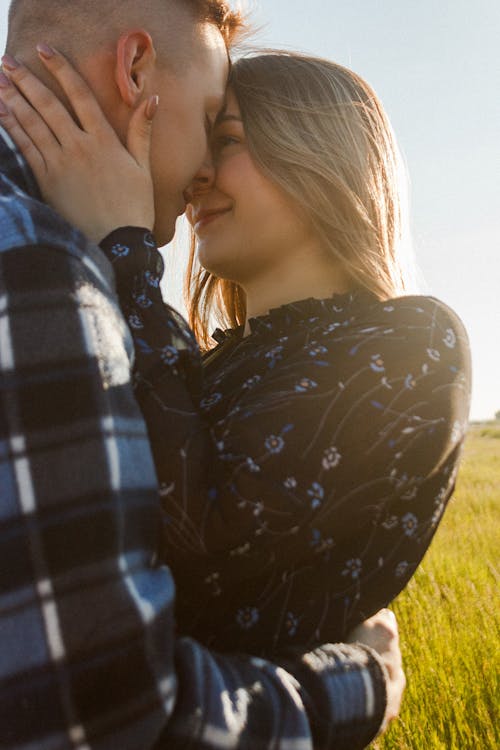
{"x": 203, "y": 180}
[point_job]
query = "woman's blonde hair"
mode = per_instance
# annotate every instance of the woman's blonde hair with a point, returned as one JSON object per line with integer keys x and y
{"x": 319, "y": 132}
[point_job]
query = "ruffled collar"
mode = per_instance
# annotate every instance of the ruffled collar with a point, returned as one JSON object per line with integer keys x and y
{"x": 336, "y": 309}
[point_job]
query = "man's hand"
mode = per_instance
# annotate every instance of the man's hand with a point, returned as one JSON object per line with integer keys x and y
{"x": 381, "y": 634}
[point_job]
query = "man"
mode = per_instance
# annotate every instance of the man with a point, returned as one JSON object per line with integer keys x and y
{"x": 88, "y": 656}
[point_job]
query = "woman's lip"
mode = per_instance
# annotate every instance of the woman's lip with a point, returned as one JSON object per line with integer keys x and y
{"x": 205, "y": 220}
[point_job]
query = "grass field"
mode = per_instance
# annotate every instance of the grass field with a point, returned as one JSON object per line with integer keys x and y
{"x": 449, "y": 618}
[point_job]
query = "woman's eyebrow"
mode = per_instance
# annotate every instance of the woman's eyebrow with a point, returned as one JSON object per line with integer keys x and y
{"x": 223, "y": 117}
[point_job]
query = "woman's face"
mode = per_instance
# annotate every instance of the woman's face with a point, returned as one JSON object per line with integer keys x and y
{"x": 246, "y": 227}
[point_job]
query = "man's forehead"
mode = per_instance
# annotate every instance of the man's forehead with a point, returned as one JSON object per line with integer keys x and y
{"x": 211, "y": 60}
{"x": 213, "y": 51}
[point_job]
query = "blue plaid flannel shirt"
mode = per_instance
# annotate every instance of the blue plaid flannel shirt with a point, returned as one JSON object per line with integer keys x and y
{"x": 88, "y": 654}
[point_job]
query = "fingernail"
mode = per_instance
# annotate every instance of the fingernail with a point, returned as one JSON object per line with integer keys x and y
{"x": 4, "y": 81}
{"x": 152, "y": 106}
{"x": 45, "y": 51}
{"x": 10, "y": 63}
{"x": 3, "y": 109}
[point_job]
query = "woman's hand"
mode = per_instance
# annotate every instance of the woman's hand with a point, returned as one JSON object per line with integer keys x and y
{"x": 381, "y": 634}
{"x": 84, "y": 172}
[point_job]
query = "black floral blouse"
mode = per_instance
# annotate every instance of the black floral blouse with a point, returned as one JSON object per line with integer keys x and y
{"x": 304, "y": 468}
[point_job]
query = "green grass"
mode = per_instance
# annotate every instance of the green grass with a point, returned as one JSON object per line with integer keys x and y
{"x": 449, "y": 618}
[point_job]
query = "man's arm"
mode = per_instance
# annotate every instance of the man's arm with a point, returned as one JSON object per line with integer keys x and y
{"x": 86, "y": 622}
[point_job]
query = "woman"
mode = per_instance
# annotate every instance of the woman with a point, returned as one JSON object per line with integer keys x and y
{"x": 306, "y": 464}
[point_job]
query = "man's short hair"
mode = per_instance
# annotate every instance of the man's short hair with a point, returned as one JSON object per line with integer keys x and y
{"x": 80, "y": 26}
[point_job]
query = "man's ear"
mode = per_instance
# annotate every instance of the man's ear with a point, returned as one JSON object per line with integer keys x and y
{"x": 135, "y": 62}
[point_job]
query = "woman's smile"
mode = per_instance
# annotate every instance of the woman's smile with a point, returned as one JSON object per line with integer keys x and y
{"x": 205, "y": 218}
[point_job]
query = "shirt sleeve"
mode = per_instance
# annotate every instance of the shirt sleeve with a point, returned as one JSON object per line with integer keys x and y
{"x": 86, "y": 621}
{"x": 340, "y": 689}
{"x": 89, "y": 657}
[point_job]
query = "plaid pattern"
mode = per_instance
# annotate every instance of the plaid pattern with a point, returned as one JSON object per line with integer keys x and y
{"x": 86, "y": 620}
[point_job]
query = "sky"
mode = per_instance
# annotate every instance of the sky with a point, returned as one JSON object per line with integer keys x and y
{"x": 436, "y": 66}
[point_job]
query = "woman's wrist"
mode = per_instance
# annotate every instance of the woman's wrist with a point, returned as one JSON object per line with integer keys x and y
{"x": 133, "y": 251}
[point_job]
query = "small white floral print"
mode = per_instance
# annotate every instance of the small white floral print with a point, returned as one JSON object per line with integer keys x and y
{"x": 401, "y": 569}
{"x": 152, "y": 280}
{"x": 135, "y": 322}
{"x": 450, "y": 339}
{"x": 252, "y": 466}
{"x": 252, "y": 381}
{"x": 290, "y": 483}
{"x": 410, "y": 382}
{"x": 274, "y": 444}
{"x": 353, "y": 568}
{"x": 209, "y": 401}
{"x": 390, "y": 523}
{"x": 434, "y": 355}
{"x": 410, "y": 494}
{"x": 316, "y": 493}
{"x": 304, "y": 385}
{"x": 143, "y": 301}
{"x": 331, "y": 458}
{"x": 410, "y": 524}
{"x": 258, "y": 508}
{"x": 331, "y": 328}
{"x": 121, "y": 251}
{"x": 169, "y": 355}
{"x": 274, "y": 354}
{"x": 247, "y": 617}
{"x": 315, "y": 351}
{"x": 377, "y": 363}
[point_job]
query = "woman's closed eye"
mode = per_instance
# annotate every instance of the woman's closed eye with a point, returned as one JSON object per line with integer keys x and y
{"x": 222, "y": 141}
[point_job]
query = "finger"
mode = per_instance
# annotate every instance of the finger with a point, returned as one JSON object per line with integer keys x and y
{"x": 23, "y": 142}
{"x": 27, "y": 119}
{"x": 139, "y": 131}
{"x": 79, "y": 94}
{"x": 42, "y": 100}
{"x": 47, "y": 103}
{"x": 388, "y": 614}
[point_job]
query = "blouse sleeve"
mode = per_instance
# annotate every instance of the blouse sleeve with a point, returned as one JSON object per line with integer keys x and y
{"x": 308, "y": 505}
